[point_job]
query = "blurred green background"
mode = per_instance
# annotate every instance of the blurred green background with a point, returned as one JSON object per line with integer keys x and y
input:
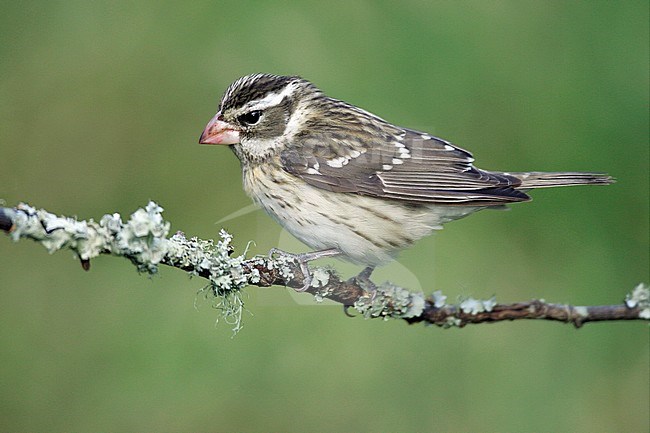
{"x": 101, "y": 106}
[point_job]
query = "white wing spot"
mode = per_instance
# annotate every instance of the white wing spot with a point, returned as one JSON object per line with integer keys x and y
{"x": 404, "y": 153}
{"x": 398, "y": 144}
{"x": 425, "y": 136}
{"x": 387, "y": 167}
{"x": 338, "y": 162}
{"x": 397, "y": 161}
{"x": 354, "y": 153}
{"x": 312, "y": 170}
{"x": 448, "y": 147}
{"x": 316, "y": 166}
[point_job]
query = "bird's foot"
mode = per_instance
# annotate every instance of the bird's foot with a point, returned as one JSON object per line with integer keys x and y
{"x": 302, "y": 259}
{"x": 363, "y": 281}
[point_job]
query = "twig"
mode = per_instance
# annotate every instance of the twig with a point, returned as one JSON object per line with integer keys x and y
{"x": 143, "y": 240}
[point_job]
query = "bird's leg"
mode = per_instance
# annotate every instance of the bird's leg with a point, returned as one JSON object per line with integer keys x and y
{"x": 302, "y": 259}
{"x": 365, "y": 274}
{"x": 363, "y": 279}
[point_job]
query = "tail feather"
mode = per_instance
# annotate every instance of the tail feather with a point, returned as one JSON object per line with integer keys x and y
{"x": 551, "y": 179}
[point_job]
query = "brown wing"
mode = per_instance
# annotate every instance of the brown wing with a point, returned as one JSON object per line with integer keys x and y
{"x": 397, "y": 164}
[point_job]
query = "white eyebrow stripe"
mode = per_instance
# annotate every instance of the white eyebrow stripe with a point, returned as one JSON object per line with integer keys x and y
{"x": 273, "y": 99}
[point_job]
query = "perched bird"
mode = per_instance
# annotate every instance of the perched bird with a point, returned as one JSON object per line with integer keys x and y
{"x": 345, "y": 181}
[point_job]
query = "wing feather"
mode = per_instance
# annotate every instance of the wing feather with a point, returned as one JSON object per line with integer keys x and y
{"x": 397, "y": 164}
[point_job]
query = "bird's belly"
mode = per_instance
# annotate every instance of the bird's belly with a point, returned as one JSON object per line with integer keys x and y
{"x": 367, "y": 230}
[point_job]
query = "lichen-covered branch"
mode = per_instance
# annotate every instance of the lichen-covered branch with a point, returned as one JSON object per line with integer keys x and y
{"x": 143, "y": 239}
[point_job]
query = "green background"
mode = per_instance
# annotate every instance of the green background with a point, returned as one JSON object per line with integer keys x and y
{"x": 101, "y": 106}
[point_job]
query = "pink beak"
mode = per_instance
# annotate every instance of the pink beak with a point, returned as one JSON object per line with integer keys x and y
{"x": 219, "y": 132}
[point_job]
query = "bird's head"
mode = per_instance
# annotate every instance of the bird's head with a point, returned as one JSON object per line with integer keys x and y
{"x": 257, "y": 114}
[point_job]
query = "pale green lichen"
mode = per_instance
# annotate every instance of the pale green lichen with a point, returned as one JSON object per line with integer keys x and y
{"x": 452, "y": 322}
{"x": 391, "y": 301}
{"x": 320, "y": 280}
{"x": 489, "y": 304}
{"x": 231, "y": 306}
{"x": 319, "y": 277}
{"x": 640, "y": 297}
{"x": 581, "y": 311}
{"x": 439, "y": 300}
{"x": 143, "y": 240}
{"x": 254, "y": 276}
{"x": 226, "y": 274}
{"x": 283, "y": 263}
{"x": 198, "y": 257}
{"x": 87, "y": 238}
{"x": 475, "y": 306}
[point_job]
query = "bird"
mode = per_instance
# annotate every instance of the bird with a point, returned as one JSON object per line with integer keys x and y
{"x": 348, "y": 183}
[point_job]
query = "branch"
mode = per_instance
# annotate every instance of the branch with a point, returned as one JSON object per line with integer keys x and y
{"x": 143, "y": 240}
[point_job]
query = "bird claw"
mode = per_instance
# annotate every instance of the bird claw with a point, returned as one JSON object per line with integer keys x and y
{"x": 345, "y": 310}
{"x": 302, "y": 259}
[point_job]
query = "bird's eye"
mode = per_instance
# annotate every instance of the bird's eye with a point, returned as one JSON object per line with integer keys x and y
{"x": 250, "y": 118}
